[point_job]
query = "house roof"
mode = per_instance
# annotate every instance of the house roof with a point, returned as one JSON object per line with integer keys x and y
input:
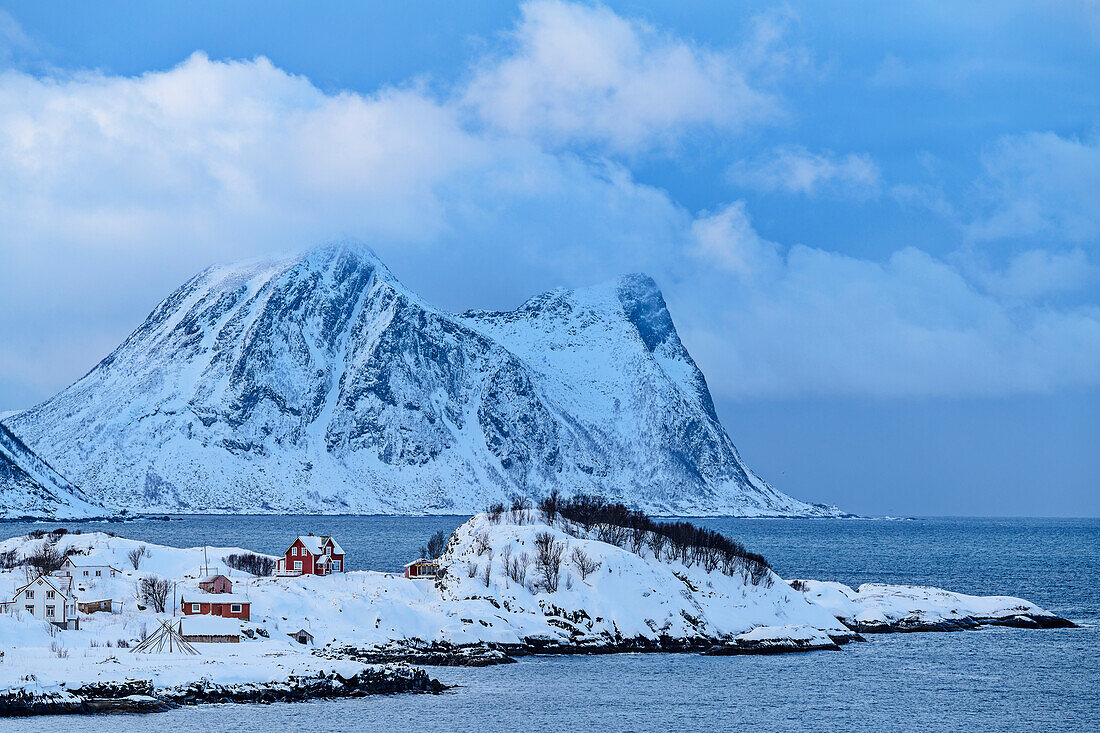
{"x": 421, "y": 561}
{"x": 316, "y": 544}
{"x": 50, "y": 581}
{"x": 212, "y": 578}
{"x": 69, "y": 561}
{"x": 201, "y": 597}
{"x": 210, "y": 625}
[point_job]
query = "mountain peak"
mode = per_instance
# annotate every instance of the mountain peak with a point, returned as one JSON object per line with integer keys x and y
{"x": 317, "y": 383}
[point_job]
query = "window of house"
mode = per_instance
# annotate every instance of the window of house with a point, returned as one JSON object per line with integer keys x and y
{"x": 234, "y": 608}
{"x": 98, "y": 573}
{"x": 30, "y": 609}
{"x": 297, "y": 564}
{"x": 339, "y": 564}
{"x": 30, "y": 594}
{"x": 49, "y": 595}
{"x": 85, "y": 572}
{"x": 195, "y": 608}
{"x": 49, "y": 611}
{"x": 294, "y": 551}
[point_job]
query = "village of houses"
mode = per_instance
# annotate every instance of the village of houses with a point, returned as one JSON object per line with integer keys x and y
{"x": 93, "y": 615}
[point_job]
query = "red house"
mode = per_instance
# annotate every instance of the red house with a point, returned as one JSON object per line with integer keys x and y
{"x": 226, "y": 605}
{"x": 312, "y": 555}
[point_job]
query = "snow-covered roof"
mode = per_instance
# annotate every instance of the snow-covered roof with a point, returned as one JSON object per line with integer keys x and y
{"x": 64, "y": 586}
{"x": 211, "y": 578}
{"x": 421, "y": 561}
{"x": 200, "y": 597}
{"x": 316, "y": 544}
{"x": 209, "y": 625}
{"x": 69, "y": 561}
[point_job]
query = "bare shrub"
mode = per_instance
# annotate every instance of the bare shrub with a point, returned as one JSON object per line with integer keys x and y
{"x": 550, "y": 505}
{"x": 9, "y": 559}
{"x": 521, "y": 509}
{"x": 481, "y": 543}
{"x": 44, "y": 560}
{"x": 517, "y": 568}
{"x": 495, "y": 512}
{"x": 471, "y": 569}
{"x": 584, "y": 564}
{"x": 250, "y": 562}
{"x": 799, "y": 586}
{"x": 437, "y": 543}
{"x": 154, "y": 591}
{"x": 548, "y": 560}
{"x": 136, "y": 555}
{"x": 487, "y": 575}
{"x": 122, "y": 644}
{"x": 58, "y": 650}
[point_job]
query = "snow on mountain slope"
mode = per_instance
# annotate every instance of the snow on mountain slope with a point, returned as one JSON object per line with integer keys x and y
{"x": 30, "y": 488}
{"x": 320, "y": 384}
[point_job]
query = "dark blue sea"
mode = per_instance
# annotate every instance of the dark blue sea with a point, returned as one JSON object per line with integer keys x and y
{"x": 988, "y": 680}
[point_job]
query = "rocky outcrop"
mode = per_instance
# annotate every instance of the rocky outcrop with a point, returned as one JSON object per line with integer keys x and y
{"x": 139, "y": 696}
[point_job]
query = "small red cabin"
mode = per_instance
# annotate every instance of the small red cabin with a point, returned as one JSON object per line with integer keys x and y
{"x": 226, "y": 605}
{"x": 421, "y": 569}
{"x": 312, "y": 555}
{"x": 216, "y": 584}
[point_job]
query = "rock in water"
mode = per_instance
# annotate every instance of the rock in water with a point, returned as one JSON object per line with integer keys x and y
{"x": 320, "y": 384}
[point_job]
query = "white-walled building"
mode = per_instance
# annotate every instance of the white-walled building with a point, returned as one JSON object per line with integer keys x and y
{"x": 70, "y": 569}
{"x": 48, "y": 599}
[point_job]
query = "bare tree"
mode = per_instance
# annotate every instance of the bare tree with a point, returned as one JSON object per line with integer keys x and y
{"x": 488, "y": 574}
{"x": 136, "y": 554}
{"x": 45, "y": 560}
{"x": 482, "y": 545}
{"x": 585, "y": 565}
{"x": 548, "y": 560}
{"x": 154, "y": 591}
{"x": 437, "y": 544}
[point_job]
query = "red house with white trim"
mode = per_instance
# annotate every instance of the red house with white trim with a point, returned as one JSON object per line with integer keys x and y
{"x": 312, "y": 555}
{"x": 226, "y": 605}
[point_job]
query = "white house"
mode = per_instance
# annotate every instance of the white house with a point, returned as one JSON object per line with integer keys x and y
{"x": 48, "y": 599}
{"x": 70, "y": 569}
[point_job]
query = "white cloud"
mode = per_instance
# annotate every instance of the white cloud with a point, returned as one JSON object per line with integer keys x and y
{"x": 584, "y": 74}
{"x": 116, "y": 189}
{"x": 794, "y": 169}
{"x": 1041, "y": 183}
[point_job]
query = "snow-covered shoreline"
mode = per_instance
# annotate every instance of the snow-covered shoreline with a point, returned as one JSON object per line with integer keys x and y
{"x": 494, "y": 600}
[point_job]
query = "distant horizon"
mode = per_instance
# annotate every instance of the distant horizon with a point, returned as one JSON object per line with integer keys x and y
{"x": 879, "y": 241}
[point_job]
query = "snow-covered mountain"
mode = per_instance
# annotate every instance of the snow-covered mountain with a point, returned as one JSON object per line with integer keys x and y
{"x": 319, "y": 383}
{"x": 29, "y": 487}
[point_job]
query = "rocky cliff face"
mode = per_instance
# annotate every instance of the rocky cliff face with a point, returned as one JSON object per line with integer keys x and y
{"x": 320, "y": 383}
{"x": 29, "y": 487}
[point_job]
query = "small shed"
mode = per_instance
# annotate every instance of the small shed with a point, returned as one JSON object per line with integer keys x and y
{"x": 421, "y": 569}
{"x": 216, "y": 584}
{"x": 210, "y": 630}
{"x": 94, "y": 606}
{"x": 302, "y": 637}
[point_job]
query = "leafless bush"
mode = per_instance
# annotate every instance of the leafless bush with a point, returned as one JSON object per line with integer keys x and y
{"x": 799, "y": 586}
{"x": 548, "y": 560}
{"x": 44, "y": 560}
{"x": 516, "y": 568}
{"x": 471, "y": 569}
{"x": 521, "y": 510}
{"x": 585, "y": 565}
{"x": 136, "y": 555}
{"x": 487, "y": 575}
{"x": 495, "y": 512}
{"x": 9, "y": 559}
{"x": 58, "y": 650}
{"x": 154, "y": 591}
{"x": 481, "y": 543}
{"x": 121, "y": 644}
{"x": 437, "y": 543}
{"x": 550, "y": 505}
{"x": 251, "y": 563}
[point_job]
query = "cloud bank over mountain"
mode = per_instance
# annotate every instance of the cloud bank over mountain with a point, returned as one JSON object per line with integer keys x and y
{"x": 117, "y": 186}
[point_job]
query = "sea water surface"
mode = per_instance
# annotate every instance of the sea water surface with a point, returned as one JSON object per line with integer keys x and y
{"x": 991, "y": 679}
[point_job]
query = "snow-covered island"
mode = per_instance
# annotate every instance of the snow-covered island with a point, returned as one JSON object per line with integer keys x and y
{"x": 510, "y": 582}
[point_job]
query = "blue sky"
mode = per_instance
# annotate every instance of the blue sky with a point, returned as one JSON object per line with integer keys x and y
{"x": 877, "y": 227}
